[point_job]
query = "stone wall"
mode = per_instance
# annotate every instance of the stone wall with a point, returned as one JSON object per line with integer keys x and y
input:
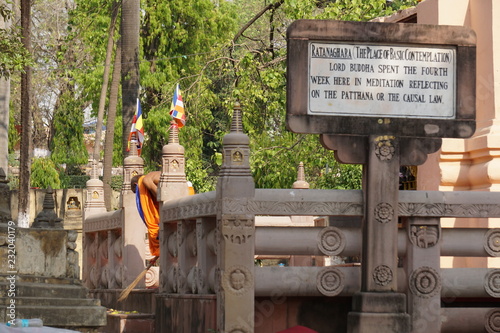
{"x": 69, "y": 204}
{"x": 40, "y": 252}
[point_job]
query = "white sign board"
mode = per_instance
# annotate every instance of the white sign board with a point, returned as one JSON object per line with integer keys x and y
{"x": 381, "y": 80}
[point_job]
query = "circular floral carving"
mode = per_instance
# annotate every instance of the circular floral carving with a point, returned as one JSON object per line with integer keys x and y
{"x": 152, "y": 278}
{"x": 492, "y": 242}
{"x": 237, "y": 280}
{"x": 492, "y": 283}
{"x": 382, "y": 275}
{"x": 330, "y": 281}
{"x": 331, "y": 241}
{"x": 384, "y": 149}
{"x": 425, "y": 282}
{"x": 384, "y": 212}
{"x": 493, "y": 321}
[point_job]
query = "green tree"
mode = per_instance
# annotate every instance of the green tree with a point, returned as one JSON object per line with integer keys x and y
{"x": 251, "y": 69}
{"x": 220, "y": 52}
{"x": 68, "y": 146}
{"x": 259, "y": 73}
{"x": 14, "y": 57}
{"x": 181, "y": 43}
{"x": 44, "y": 173}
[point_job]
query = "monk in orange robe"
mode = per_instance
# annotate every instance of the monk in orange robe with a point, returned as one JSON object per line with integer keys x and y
{"x": 146, "y": 189}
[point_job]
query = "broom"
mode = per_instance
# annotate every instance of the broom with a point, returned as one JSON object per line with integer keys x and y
{"x": 125, "y": 292}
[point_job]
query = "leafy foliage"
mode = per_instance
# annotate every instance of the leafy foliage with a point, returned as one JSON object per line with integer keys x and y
{"x": 181, "y": 42}
{"x": 68, "y": 146}
{"x": 44, "y": 173}
{"x": 250, "y": 69}
{"x": 220, "y": 52}
{"x": 14, "y": 137}
{"x": 13, "y": 56}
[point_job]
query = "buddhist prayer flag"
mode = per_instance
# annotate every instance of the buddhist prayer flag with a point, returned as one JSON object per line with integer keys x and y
{"x": 177, "y": 108}
{"x": 137, "y": 128}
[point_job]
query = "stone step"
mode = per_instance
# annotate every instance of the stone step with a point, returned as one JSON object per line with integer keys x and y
{"x": 51, "y": 301}
{"x": 64, "y": 316}
{"x": 59, "y": 302}
{"x": 31, "y": 289}
{"x": 46, "y": 279}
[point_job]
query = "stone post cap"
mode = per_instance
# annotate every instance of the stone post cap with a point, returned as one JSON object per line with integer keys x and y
{"x": 300, "y": 183}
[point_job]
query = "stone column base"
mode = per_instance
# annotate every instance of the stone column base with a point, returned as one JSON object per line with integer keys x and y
{"x": 380, "y": 312}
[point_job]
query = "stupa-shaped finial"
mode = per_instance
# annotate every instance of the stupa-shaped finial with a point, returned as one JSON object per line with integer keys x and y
{"x": 173, "y": 136}
{"x": 237, "y": 123}
{"x": 301, "y": 178}
{"x": 94, "y": 172}
{"x": 47, "y": 218}
{"x": 133, "y": 146}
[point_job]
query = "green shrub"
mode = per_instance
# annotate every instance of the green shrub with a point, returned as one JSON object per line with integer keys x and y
{"x": 44, "y": 173}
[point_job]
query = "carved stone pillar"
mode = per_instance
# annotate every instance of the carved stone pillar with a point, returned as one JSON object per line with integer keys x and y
{"x": 422, "y": 267}
{"x": 301, "y": 220}
{"x": 133, "y": 165}
{"x": 236, "y": 233}
{"x": 177, "y": 258}
{"x": 378, "y": 304}
{"x": 131, "y": 241}
{"x": 94, "y": 204}
{"x": 173, "y": 182}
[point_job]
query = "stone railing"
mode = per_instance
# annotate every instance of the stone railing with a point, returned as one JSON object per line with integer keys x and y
{"x": 209, "y": 242}
{"x": 115, "y": 243}
{"x": 115, "y": 251}
{"x": 194, "y": 241}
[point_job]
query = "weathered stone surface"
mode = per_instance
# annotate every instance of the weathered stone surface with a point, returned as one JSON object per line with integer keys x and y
{"x": 59, "y": 302}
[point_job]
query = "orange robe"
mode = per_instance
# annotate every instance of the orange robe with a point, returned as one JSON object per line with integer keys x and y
{"x": 151, "y": 215}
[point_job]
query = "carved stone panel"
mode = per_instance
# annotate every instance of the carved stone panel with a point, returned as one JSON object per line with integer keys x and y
{"x": 492, "y": 242}
{"x": 384, "y": 147}
{"x": 492, "y": 319}
{"x": 330, "y": 281}
{"x": 424, "y": 236}
{"x": 425, "y": 282}
{"x": 331, "y": 241}
{"x": 382, "y": 275}
{"x": 492, "y": 283}
{"x": 384, "y": 212}
{"x": 237, "y": 280}
{"x": 238, "y": 229}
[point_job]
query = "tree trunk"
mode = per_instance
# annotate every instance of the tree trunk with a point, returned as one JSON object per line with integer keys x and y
{"x": 4, "y": 140}
{"x": 26, "y": 135}
{"x": 110, "y": 128}
{"x": 130, "y": 65}
{"x": 107, "y": 64}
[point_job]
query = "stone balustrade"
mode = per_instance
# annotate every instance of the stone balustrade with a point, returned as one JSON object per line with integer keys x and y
{"x": 200, "y": 231}
{"x": 114, "y": 246}
{"x": 209, "y": 242}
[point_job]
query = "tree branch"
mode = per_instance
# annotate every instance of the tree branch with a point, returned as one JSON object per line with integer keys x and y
{"x": 256, "y": 17}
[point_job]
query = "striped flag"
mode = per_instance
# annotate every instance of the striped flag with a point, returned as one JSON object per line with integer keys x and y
{"x": 137, "y": 128}
{"x": 177, "y": 108}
